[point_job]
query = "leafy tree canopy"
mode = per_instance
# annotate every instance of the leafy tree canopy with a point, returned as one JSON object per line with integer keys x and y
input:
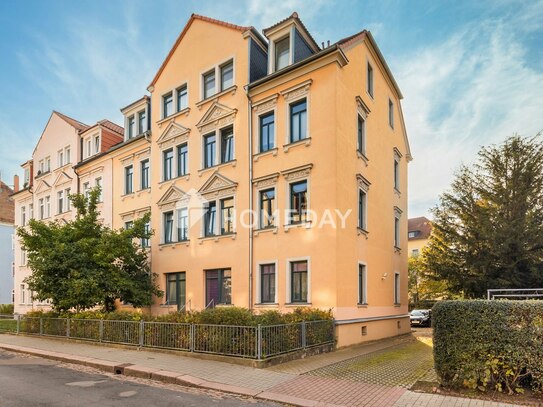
{"x": 488, "y": 229}
{"x": 82, "y": 263}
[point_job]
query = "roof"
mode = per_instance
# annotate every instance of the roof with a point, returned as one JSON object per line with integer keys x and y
{"x": 185, "y": 29}
{"x": 422, "y": 225}
{"x": 72, "y": 122}
{"x": 108, "y": 125}
{"x": 7, "y": 214}
{"x": 293, "y": 16}
{"x": 110, "y": 150}
{"x": 144, "y": 97}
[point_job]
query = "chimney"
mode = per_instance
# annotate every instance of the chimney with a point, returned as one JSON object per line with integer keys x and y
{"x": 327, "y": 45}
{"x": 15, "y": 183}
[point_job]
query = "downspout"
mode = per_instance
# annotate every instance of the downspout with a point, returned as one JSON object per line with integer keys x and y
{"x": 250, "y": 156}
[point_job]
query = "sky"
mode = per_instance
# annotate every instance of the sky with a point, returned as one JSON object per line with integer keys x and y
{"x": 471, "y": 72}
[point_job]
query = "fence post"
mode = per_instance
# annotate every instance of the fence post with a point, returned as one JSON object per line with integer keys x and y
{"x": 101, "y": 330}
{"x": 192, "y": 337}
{"x": 304, "y": 342}
{"x": 41, "y": 326}
{"x": 142, "y": 333}
{"x": 18, "y": 324}
{"x": 259, "y": 342}
{"x": 67, "y": 327}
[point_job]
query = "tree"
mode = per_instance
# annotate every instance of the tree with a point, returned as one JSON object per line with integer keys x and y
{"x": 82, "y": 263}
{"x": 423, "y": 284}
{"x": 488, "y": 229}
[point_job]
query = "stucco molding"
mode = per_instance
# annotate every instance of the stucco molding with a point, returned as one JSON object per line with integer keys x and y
{"x": 297, "y": 172}
{"x": 217, "y": 186}
{"x": 171, "y": 197}
{"x": 297, "y": 91}
{"x": 363, "y": 183}
{"x": 266, "y": 104}
{"x": 363, "y": 108}
{"x": 62, "y": 178}
{"x": 218, "y": 115}
{"x": 266, "y": 181}
{"x": 42, "y": 187}
{"x": 173, "y": 134}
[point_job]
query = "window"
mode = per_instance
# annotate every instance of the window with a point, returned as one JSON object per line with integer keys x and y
{"x": 412, "y": 234}
{"x": 298, "y": 202}
{"x": 48, "y": 164}
{"x": 267, "y": 283}
{"x": 390, "y": 113}
{"x": 227, "y": 216}
{"x": 128, "y": 225}
{"x": 96, "y": 144}
{"x": 267, "y": 208}
{"x": 68, "y": 202}
{"x": 361, "y": 135}
{"x": 362, "y": 284}
{"x": 60, "y": 201}
{"x": 89, "y": 144}
{"x": 176, "y": 290}
{"x": 167, "y": 160}
{"x": 182, "y": 225}
{"x": 98, "y": 184}
{"x": 67, "y": 158}
{"x": 267, "y": 136}
{"x": 145, "y": 174}
{"x": 218, "y": 287}
{"x": 209, "y": 84}
{"x": 182, "y": 159}
{"x": 227, "y": 145}
{"x": 23, "y": 216}
{"x": 182, "y": 98}
{"x": 397, "y": 231}
{"x": 370, "y": 80}
{"x": 86, "y": 189}
{"x": 128, "y": 178}
{"x": 227, "y": 75}
{"x": 146, "y": 242}
{"x": 168, "y": 227}
{"x": 142, "y": 122}
{"x": 209, "y": 150}
{"x": 298, "y": 121}
{"x": 396, "y": 173}
{"x": 131, "y": 127}
{"x": 27, "y": 178}
{"x": 23, "y": 257}
{"x": 298, "y": 281}
{"x": 47, "y": 206}
{"x": 167, "y": 105}
{"x": 415, "y": 252}
{"x": 30, "y": 211}
{"x": 22, "y": 292}
{"x": 362, "y": 207}
{"x": 60, "y": 158}
{"x": 42, "y": 167}
{"x": 396, "y": 288}
{"x": 282, "y": 53}
{"x": 42, "y": 208}
{"x": 209, "y": 219}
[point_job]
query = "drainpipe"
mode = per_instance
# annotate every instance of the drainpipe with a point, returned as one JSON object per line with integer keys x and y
{"x": 250, "y": 156}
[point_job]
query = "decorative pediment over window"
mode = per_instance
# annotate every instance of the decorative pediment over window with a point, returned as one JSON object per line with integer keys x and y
{"x": 217, "y": 185}
{"x": 42, "y": 186}
{"x": 363, "y": 183}
{"x": 297, "y": 91}
{"x": 362, "y": 107}
{"x": 62, "y": 178}
{"x": 218, "y": 115}
{"x": 174, "y": 133}
{"x": 298, "y": 172}
{"x": 172, "y": 196}
{"x": 266, "y": 181}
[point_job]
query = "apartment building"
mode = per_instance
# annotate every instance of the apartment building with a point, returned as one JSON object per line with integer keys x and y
{"x": 418, "y": 234}
{"x": 7, "y": 219}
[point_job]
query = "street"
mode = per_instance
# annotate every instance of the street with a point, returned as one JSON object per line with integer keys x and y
{"x": 32, "y": 381}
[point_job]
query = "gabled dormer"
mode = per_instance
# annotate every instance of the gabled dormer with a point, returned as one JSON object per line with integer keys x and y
{"x": 289, "y": 42}
{"x": 100, "y": 138}
{"x": 28, "y": 177}
{"x": 137, "y": 118}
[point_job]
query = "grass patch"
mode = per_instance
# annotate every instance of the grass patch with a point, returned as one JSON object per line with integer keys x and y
{"x": 9, "y": 325}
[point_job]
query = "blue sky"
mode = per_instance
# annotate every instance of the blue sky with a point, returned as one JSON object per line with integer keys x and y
{"x": 471, "y": 71}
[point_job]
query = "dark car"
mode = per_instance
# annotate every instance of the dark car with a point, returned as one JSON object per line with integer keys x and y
{"x": 420, "y": 317}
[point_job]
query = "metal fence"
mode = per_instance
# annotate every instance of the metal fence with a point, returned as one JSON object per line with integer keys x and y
{"x": 253, "y": 342}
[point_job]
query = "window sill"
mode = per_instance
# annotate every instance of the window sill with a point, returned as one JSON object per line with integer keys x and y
{"x": 185, "y": 177}
{"x": 130, "y": 195}
{"x": 62, "y": 167}
{"x": 397, "y": 305}
{"x": 272, "y": 229}
{"x": 306, "y": 224}
{"x": 163, "y": 246}
{"x": 217, "y": 166}
{"x": 43, "y": 174}
{"x": 362, "y": 305}
{"x": 361, "y": 231}
{"x": 363, "y": 157}
{"x": 184, "y": 111}
{"x": 397, "y": 249}
{"x": 272, "y": 152}
{"x": 298, "y": 304}
{"x": 303, "y": 142}
{"x": 397, "y": 192}
{"x": 370, "y": 95}
{"x": 231, "y": 89}
{"x": 223, "y": 305}
{"x": 143, "y": 191}
{"x": 266, "y": 305}
{"x": 217, "y": 237}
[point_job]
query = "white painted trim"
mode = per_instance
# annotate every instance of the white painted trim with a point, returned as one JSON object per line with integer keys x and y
{"x": 275, "y": 262}
{"x": 258, "y": 116}
{"x": 286, "y": 222}
{"x": 259, "y": 204}
{"x": 288, "y": 279}
{"x": 307, "y": 98}
{"x": 362, "y": 263}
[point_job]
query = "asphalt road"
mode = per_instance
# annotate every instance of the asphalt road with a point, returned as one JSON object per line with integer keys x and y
{"x": 32, "y": 381}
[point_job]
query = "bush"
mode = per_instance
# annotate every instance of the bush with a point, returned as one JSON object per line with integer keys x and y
{"x": 489, "y": 344}
{"x": 6, "y": 309}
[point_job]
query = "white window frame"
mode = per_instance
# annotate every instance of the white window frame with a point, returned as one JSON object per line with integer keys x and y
{"x": 98, "y": 182}
{"x": 391, "y": 113}
{"x": 397, "y": 228}
{"x": 275, "y": 262}
{"x": 218, "y": 217}
{"x": 307, "y": 118}
{"x": 259, "y": 135}
{"x": 176, "y": 102}
{"x": 372, "y": 93}
{"x": 259, "y": 206}
{"x": 60, "y": 158}
{"x": 47, "y": 206}
{"x": 396, "y": 180}
{"x": 218, "y": 78}
{"x": 295, "y": 181}
{"x": 96, "y": 138}
{"x": 218, "y": 147}
{"x": 289, "y": 283}
{"x": 365, "y": 284}
{"x": 23, "y": 215}
{"x": 67, "y": 155}
{"x": 60, "y": 198}
{"x": 22, "y": 294}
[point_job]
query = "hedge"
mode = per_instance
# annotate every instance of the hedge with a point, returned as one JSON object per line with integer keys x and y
{"x": 489, "y": 345}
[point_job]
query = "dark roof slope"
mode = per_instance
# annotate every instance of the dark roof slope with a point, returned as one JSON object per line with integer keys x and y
{"x": 421, "y": 225}
{"x": 72, "y": 122}
{"x": 7, "y": 205}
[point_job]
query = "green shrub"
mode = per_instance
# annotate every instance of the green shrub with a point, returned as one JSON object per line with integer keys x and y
{"x": 489, "y": 344}
{"x": 6, "y": 309}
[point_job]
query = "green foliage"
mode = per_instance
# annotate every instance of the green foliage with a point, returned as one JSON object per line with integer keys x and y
{"x": 82, "y": 264}
{"x": 423, "y": 286}
{"x": 484, "y": 345}
{"x": 6, "y": 309}
{"x": 488, "y": 229}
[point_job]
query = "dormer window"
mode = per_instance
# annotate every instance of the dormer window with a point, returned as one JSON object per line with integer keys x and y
{"x": 209, "y": 84}
{"x": 131, "y": 127}
{"x": 96, "y": 144}
{"x": 282, "y": 53}
{"x": 142, "y": 122}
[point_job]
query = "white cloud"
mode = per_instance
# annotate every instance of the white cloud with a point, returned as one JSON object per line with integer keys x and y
{"x": 473, "y": 89}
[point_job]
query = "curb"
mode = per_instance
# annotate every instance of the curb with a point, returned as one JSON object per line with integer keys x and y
{"x": 165, "y": 376}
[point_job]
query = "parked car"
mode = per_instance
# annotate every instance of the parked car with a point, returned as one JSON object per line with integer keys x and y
{"x": 420, "y": 317}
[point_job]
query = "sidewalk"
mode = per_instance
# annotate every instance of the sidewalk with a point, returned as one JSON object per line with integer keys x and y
{"x": 285, "y": 383}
